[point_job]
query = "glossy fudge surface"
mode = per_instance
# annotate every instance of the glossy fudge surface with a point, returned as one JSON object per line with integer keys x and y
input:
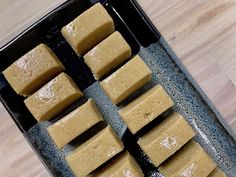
{"x": 53, "y": 97}
{"x": 145, "y": 108}
{"x": 33, "y": 69}
{"x": 111, "y": 52}
{"x": 122, "y": 166}
{"x": 75, "y": 123}
{"x": 94, "y": 152}
{"x": 217, "y": 173}
{"x": 191, "y": 161}
{"x": 88, "y": 29}
{"x": 127, "y": 79}
{"x": 166, "y": 138}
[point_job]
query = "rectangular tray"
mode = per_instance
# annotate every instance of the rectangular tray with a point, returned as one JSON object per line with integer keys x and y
{"x": 144, "y": 40}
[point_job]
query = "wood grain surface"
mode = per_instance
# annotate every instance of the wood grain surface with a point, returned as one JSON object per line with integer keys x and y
{"x": 16, "y": 156}
{"x": 16, "y": 16}
{"x": 201, "y": 32}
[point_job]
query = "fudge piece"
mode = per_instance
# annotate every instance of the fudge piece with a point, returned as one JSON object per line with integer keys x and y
{"x": 88, "y": 29}
{"x": 94, "y": 152}
{"x": 129, "y": 78}
{"x": 111, "y": 52}
{"x": 122, "y": 166}
{"x": 191, "y": 160}
{"x": 32, "y": 70}
{"x": 75, "y": 123}
{"x": 53, "y": 97}
{"x": 145, "y": 108}
{"x": 217, "y": 173}
{"x": 166, "y": 138}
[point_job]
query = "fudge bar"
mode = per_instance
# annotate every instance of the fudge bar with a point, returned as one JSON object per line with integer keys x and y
{"x": 166, "y": 138}
{"x": 217, "y": 173}
{"x": 32, "y": 70}
{"x": 111, "y": 52}
{"x": 191, "y": 160}
{"x": 127, "y": 79}
{"x": 88, "y": 29}
{"x": 53, "y": 97}
{"x": 75, "y": 123}
{"x": 94, "y": 152}
{"x": 145, "y": 108}
{"x": 122, "y": 166}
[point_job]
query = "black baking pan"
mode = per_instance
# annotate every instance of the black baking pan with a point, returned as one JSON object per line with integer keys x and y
{"x": 144, "y": 40}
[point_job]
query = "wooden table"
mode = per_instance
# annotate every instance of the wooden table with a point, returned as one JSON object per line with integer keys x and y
{"x": 202, "y": 34}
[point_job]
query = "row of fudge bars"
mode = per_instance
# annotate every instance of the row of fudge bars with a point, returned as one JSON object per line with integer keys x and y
{"x": 168, "y": 145}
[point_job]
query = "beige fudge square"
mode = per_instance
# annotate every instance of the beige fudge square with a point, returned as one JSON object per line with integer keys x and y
{"x": 122, "y": 166}
{"x": 53, "y": 97}
{"x": 88, "y": 29}
{"x": 94, "y": 152}
{"x": 108, "y": 54}
{"x": 33, "y": 69}
{"x": 75, "y": 123}
{"x": 127, "y": 79}
{"x": 191, "y": 160}
{"x": 145, "y": 108}
{"x": 166, "y": 138}
{"x": 217, "y": 173}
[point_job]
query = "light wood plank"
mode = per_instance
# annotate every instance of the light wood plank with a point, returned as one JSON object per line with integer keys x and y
{"x": 17, "y": 157}
{"x": 16, "y": 16}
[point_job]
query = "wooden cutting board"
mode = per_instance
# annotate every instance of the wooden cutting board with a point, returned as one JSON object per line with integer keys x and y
{"x": 201, "y": 33}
